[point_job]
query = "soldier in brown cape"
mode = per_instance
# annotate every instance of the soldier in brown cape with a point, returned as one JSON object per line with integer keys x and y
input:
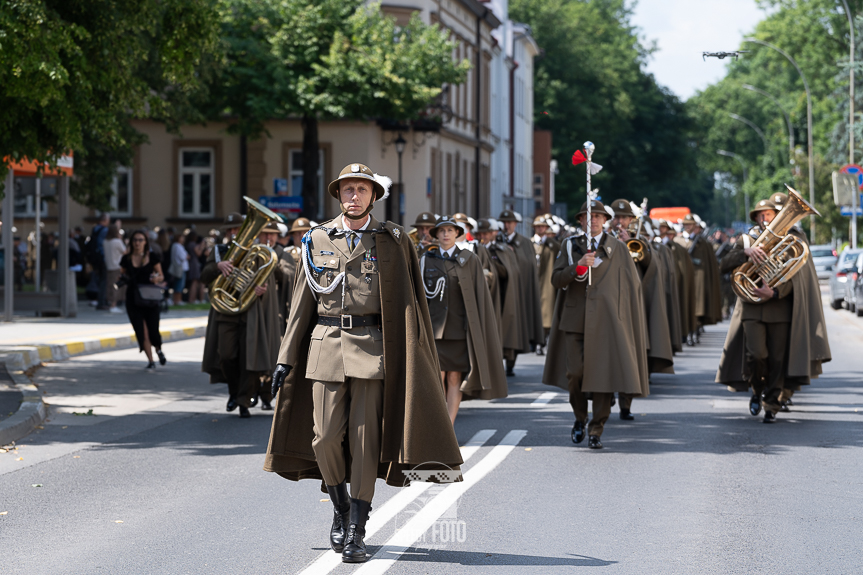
{"x": 597, "y": 345}
{"x": 529, "y": 304}
{"x": 240, "y": 350}
{"x": 780, "y": 342}
{"x": 489, "y": 269}
{"x": 708, "y": 306}
{"x": 546, "y": 247}
{"x": 507, "y": 295}
{"x": 288, "y": 260}
{"x": 660, "y": 356}
{"x": 685, "y": 283}
{"x": 672, "y": 296}
{"x": 347, "y": 412}
{"x": 463, "y": 319}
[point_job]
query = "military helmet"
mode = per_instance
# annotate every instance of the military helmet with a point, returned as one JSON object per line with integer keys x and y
{"x": 380, "y": 184}
{"x": 425, "y": 219}
{"x": 446, "y": 221}
{"x": 622, "y": 207}
{"x": 780, "y": 199}
{"x": 595, "y": 206}
{"x": 301, "y": 225}
{"x": 761, "y": 206}
{"x": 233, "y": 220}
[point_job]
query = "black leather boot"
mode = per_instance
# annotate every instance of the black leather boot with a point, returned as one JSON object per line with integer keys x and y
{"x": 626, "y": 415}
{"x": 341, "y": 515}
{"x": 355, "y": 547}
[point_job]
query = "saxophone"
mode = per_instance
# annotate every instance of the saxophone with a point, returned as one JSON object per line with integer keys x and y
{"x": 253, "y": 264}
{"x": 786, "y": 254}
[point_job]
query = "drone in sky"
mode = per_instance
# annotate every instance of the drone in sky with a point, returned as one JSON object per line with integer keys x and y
{"x": 722, "y": 55}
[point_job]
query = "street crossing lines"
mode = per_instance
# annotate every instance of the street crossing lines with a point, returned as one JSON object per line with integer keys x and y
{"x": 545, "y": 398}
{"x": 426, "y": 517}
{"x": 393, "y": 506}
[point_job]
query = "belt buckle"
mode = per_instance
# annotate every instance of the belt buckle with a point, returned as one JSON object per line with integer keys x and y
{"x": 349, "y": 324}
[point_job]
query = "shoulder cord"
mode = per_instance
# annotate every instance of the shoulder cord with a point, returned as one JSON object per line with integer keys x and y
{"x": 439, "y": 286}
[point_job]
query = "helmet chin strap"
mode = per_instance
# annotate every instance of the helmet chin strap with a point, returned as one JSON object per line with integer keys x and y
{"x": 359, "y": 217}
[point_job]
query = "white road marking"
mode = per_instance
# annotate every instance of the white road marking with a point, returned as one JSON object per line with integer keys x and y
{"x": 330, "y": 560}
{"x": 743, "y": 405}
{"x": 545, "y": 398}
{"x": 399, "y": 543}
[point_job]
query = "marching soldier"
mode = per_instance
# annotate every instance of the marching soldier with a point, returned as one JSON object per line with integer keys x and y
{"x": 685, "y": 282}
{"x": 546, "y": 247}
{"x": 508, "y": 286}
{"x": 597, "y": 345}
{"x": 660, "y": 356}
{"x": 757, "y": 353}
{"x": 241, "y": 349}
{"x": 529, "y": 305}
{"x": 424, "y": 223}
{"x": 347, "y": 412}
{"x": 288, "y": 260}
{"x": 672, "y": 296}
{"x": 706, "y": 284}
{"x": 463, "y": 319}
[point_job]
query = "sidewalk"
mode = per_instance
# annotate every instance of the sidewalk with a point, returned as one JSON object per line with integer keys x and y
{"x": 29, "y": 341}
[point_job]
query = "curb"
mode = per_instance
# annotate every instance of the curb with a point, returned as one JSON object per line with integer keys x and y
{"x": 17, "y": 360}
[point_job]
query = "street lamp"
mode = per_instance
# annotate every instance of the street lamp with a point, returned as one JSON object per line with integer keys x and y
{"x": 743, "y": 165}
{"x": 851, "y": 127}
{"x": 400, "y": 148}
{"x": 808, "y": 128}
{"x": 784, "y": 113}
{"x": 752, "y": 125}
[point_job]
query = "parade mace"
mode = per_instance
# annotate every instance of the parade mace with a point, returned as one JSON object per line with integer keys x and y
{"x": 592, "y": 168}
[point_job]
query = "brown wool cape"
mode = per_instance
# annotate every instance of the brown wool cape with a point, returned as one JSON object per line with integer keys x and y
{"x": 529, "y": 305}
{"x": 262, "y": 332}
{"x": 686, "y": 288}
{"x": 547, "y": 252}
{"x": 672, "y": 298}
{"x": 808, "y": 347}
{"x": 511, "y": 321}
{"x": 486, "y": 379}
{"x": 660, "y": 356}
{"x": 615, "y": 344}
{"x": 416, "y": 428}
{"x": 491, "y": 279}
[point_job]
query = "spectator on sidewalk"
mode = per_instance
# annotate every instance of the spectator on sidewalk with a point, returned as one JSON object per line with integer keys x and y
{"x": 179, "y": 268}
{"x": 142, "y": 270}
{"x": 95, "y": 253}
{"x": 115, "y": 249}
{"x": 195, "y": 247}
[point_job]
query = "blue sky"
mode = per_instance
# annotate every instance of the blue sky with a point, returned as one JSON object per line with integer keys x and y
{"x": 683, "y": 29}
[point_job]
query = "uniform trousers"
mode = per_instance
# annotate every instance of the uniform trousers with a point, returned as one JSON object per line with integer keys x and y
{"x": 625, "y": 400}
{"x": 354, "y": 406}
{"x": 243, "y": 385}
{"x": 577, "y": 399}
{"x": 767, "y": 351}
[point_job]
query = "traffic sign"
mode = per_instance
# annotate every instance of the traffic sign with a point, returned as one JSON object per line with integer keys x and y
{"x": 280, "y": 186}
{"x": 283, "y": 204}
{"x": 854, "y": 170}
{"x": 846, "y": 210}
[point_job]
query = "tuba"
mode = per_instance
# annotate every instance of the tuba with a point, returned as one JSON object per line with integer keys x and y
{"x": 639, "y": 249}
{"x": 253, "y": 264}
{"x": 786, "y": 254}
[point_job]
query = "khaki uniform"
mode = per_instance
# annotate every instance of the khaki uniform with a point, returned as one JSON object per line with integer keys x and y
{"x": 546, "y": 251}
{"x": 288, "y": 259}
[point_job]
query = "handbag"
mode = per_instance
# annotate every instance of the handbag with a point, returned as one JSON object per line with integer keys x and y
{"x": 150, "y": 295}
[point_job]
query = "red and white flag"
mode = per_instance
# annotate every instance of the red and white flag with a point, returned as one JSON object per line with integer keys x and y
{"x": 578, "y": 158}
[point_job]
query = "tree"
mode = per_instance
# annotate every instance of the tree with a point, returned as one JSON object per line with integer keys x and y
{"x": 590, "y": 85}
{"x": 325, "y": 59}
{"x": 74, "y": 72}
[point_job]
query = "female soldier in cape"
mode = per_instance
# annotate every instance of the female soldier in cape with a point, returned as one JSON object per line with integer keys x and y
{"x": 358, "y": 292}
{"x": 463, "y": 320}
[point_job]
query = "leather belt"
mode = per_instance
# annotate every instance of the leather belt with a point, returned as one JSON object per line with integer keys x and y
{"x": 349, "y": 321}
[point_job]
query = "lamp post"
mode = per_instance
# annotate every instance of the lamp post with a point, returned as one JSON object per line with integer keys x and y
{"x": 752, "y": 125}
{"x": 400, "y": 148}
{"x": 808, "y": 128}
{"x": 743, "y": 165}
{"x": 851, "y": 127}
{"x": 784, "y": 113}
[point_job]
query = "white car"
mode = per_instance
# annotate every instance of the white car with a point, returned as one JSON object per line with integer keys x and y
{"x": 824, "y": 257}
{"x": 839, "y": 276}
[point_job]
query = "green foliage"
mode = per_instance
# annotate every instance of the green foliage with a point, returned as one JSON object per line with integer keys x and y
{"x": 814, "y": 33}
{"x": 590, "y": 85}
{"x": 74, "y": 72}
{"x": 325, "y": 59}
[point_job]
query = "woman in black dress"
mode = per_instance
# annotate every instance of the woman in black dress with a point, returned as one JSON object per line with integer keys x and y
{"x": 141, "y": 268}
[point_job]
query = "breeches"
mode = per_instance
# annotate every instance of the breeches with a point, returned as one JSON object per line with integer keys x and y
{"x": 356, "y": 407}
{"x": 767, "y": 352}
{"x": 577, "y": 399}
{"x": 243, "y": 385}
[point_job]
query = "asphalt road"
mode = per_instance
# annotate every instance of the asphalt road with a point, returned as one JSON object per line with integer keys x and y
{"x": 159, "y": 479}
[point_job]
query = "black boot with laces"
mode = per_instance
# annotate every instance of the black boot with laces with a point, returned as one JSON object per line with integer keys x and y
{"x": 355, "y": 547}
{"x": 341, "y": 515}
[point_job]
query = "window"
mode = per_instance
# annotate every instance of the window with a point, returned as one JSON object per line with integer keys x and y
{"x": 25, "y": 196}
{"x": 537, "y": 178}
{"x": 295, "y": 177}
{"x": 121, "y": 199}
{"x": 196, "y": 182}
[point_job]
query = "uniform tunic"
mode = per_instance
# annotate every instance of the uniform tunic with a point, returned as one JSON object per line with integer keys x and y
{"x": 447, "y": 311}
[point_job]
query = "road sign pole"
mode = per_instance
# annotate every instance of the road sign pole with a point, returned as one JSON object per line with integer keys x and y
{"x": 854, "y": 198}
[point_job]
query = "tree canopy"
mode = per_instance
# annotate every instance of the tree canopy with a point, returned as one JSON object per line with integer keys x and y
{"x": 74, "y": 72}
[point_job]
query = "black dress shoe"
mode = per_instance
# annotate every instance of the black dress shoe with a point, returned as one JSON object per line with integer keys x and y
{"x": 613, "y": 400}
{"x": 244, "y": 411}
{"x": 594, "y": 443}
{"x": 578, "y": 432}
{"x": 539, "y": 350}
{"x": 783, "y": 406}
{"x": 232, "y": 404}
{"x": 754, "y": 404}
{"x": 151, "y": 365}
{"x": 510, "y": 373}
{"x": 626, "y": 415}
{"x": 254, "y": 402}
{"x": 161, "y": 355}
{"x": 769, "y": 417}
{"x": 789, "y": 402}
{"x": 341, "y": 515}
{"x": 355, "y": 547}
{"x": 266, "y": 405}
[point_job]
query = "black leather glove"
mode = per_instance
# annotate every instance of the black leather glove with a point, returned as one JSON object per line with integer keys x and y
{"x": 279, "y": 375}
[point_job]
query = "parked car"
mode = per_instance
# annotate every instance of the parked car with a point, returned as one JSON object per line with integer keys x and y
{"x": 857, "y": 289}
{"x": 852, "y": 277}
{"x": 839, "y": 276}
{"x": 824, "y": 257}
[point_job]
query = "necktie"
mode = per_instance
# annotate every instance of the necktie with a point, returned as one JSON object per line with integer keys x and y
{"x": 593, "y": 244}
{"x": 352, "y": 240}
